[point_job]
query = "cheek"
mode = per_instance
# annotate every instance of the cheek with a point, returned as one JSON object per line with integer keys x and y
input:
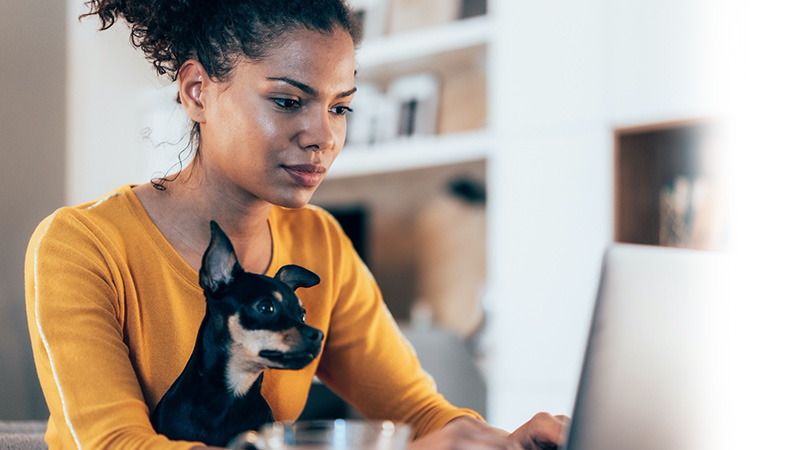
{"x": 242, "y": 118}
{"x": 341, "y": 133}
{"x": 250, "y": 121}
{"x": 338, "y": 130}
{"x": 254, "y": 141}
{"x": 270, "y": 127}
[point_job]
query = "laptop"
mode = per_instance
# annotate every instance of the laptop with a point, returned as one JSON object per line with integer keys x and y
{"x": 650, "y": 372}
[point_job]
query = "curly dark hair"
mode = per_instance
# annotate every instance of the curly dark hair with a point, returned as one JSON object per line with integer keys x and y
{"x": 217, "y": 33}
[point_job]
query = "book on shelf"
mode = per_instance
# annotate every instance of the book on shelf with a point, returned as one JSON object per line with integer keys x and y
{"x": 408, "y": 107}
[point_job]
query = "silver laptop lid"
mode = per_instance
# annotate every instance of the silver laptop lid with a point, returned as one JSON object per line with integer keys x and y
{"x": 649, "y": 369}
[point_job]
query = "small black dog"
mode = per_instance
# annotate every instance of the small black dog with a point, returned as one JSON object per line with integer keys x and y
{"x": 252, "y": 322}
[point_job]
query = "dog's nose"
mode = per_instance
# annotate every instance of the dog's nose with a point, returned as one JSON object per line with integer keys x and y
{"x": 314, "y": 335}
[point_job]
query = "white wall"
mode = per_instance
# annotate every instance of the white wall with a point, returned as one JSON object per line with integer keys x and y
{"x": 564, "y": 75}
{"x": 112, "y": 92}
{"x": 32, "y": 131}
{"x": 765, "y": 310}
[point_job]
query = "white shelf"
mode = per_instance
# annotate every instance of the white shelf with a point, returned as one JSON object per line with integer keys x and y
{"x": 393, "y": 55}
{"x": 412, "y": 153}
{"x": 402, "y": 47}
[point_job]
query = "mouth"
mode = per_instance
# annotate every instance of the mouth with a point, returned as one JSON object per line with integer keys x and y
{"x": 294, "y": 360}
{"x": 309, "y": 175}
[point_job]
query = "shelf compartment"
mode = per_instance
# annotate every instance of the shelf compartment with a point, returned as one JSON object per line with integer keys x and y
{"x": 412, "y": 153}
{"x": 652, "y": 162}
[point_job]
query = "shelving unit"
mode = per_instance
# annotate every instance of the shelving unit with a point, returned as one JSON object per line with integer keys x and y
{"x": 667, "y": 190}
{"x": 391, "y": 181}
{"x": 453, "y": 45}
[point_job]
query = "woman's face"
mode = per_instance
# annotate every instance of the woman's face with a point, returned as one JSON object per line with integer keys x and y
{"x": 272, "y": 130}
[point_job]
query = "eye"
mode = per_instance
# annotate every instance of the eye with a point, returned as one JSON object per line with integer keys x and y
{"x": 265, "y": 308}
{"x": 302, "y": 314}
{"x": 341, "y": 110}
{"x": 286, "y": 103}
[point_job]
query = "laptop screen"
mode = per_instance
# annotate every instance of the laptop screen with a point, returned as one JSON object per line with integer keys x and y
{"x": 649, "y": 370}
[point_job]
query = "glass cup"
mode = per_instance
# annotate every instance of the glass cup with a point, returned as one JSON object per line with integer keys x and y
{"x": 339, "y": 434}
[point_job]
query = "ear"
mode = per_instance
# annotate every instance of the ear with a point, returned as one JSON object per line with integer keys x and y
{"x": 295, "y": 276}
{"x": 193, "y": 81}
{"x": 220, "y": 264}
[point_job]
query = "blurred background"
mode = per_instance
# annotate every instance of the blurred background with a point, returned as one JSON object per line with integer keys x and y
{"x": 497, "y": 148}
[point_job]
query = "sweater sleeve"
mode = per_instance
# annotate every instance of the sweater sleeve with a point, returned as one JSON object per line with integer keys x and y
{"x": 369, "y": 363}
{"x": 72, "y": 290}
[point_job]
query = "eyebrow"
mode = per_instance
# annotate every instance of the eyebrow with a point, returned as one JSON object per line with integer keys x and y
{"x": 308, "y": 89}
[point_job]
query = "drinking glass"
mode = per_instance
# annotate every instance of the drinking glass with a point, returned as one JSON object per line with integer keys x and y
{"x": 339, "y": 434}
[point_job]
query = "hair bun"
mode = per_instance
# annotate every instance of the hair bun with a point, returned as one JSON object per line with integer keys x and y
{"x": 218, "y": 32}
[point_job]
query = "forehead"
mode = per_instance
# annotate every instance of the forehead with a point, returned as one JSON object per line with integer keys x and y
{"x": 324, "y": 61}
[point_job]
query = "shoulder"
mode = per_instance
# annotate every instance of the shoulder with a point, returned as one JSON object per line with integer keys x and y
{"x": 89, "y": 223}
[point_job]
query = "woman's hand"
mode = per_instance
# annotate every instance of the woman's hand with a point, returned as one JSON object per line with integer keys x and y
{"x": 542, "y": 432}
{"x": 466, "y": 433}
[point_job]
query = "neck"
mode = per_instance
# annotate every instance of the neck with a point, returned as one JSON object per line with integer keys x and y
{"x": 183, "y": 211}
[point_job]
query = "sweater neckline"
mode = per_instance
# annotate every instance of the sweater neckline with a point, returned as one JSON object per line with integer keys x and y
{"x": 169, "y": 253}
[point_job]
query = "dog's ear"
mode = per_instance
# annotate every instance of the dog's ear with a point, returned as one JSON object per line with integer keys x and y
{"x": 219, "y": 262}
{"x": 296, "y": 276}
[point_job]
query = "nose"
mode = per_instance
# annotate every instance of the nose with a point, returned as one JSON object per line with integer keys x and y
{"x": 318, "y": 132}
{"x": 313, "y": 335}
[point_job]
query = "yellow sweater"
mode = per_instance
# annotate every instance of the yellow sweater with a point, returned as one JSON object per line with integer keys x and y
{"x": 113, "y": 313}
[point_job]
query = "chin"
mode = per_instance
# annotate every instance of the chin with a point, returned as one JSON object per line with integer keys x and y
{"x": 294, "y": 201}
{"x": 293, "y": 205}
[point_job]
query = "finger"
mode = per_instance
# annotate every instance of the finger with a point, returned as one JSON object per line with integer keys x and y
{"x": 543, "y": 431}
{"x": 552, "y": 435}
{"x": 474, "y": 427}
{"x": 488, "y": 444}
{"x": 474, "y": 434}
{"x": 549, "y": 429}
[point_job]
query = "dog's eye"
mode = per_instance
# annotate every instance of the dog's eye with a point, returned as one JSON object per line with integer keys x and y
{"x": 265, "y": 308}
{"x": 302, "y": 314}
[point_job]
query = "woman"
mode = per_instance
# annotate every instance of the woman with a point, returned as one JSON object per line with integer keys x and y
{"x": 111, "y": 286}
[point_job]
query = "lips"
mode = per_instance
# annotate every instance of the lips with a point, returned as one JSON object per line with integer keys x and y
{"x": 309, "y": 175}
